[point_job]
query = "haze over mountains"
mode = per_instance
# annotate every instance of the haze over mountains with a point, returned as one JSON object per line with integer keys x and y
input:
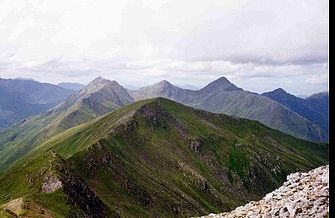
{"x": 102, "y": 96}
{"x": 20, "y": 98}
{"x": 71, "y": 86}
{"x": 304, "y": 118}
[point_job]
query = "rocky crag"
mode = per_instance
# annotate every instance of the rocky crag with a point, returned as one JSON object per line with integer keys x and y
{"x": 302, "y": 195}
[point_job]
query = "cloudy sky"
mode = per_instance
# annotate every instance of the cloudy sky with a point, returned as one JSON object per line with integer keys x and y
{"x": 258, "y": 45}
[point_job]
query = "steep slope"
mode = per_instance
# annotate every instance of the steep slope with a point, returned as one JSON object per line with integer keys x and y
{"x": 156, "y": 158}
{"x": 221, "y": 96}
{"x": 320, "y": 103}
{"x": 71, "y": 86}
{"x": 303, "y": 107}
{"x": 21, "y": 98}
{"x": 97, "y": 98}
{"x": 304, "y": 194}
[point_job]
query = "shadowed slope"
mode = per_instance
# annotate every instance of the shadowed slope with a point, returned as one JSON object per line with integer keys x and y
{"x": 315, "y": 111}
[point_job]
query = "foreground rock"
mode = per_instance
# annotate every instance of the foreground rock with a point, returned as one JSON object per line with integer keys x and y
{"x": 302, "y": 195}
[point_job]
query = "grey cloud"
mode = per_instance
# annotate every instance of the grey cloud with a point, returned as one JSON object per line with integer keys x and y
{"x": 130, "y": 40}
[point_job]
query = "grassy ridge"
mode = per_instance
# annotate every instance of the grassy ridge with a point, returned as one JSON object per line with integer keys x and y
{"x": 160, "y": 158}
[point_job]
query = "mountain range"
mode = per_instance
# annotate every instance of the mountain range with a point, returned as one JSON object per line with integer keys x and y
{"x": 151, "y": 158}
{"x": 221, "y": 96}
{"x": 102, "y": 96}
{"x": 21, "y": 98}
{"x": 314, "y": 108}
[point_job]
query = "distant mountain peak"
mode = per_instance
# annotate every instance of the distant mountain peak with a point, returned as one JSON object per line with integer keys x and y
{"x": 222, "y": 84}
{"x": 97, "y": 85}
{"x": 222, "y": 79}
{"x": 164, "y": 83}
{"x": 99, "y": 80}
{"x": 279, "y": 90}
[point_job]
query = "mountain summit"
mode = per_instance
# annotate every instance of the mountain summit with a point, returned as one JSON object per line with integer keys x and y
{"x": 221, "y": 84}
{"x": 279, "y": 91}
{"x": 315, "y": 111}
{"x": 160, "y": 89}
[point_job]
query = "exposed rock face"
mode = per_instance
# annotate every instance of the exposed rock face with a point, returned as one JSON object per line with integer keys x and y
{"x": 302, "y": 195}
{"x": 83, "y": 197}
{"x": 196, "y": 145}
{"x": 51, "y": 183}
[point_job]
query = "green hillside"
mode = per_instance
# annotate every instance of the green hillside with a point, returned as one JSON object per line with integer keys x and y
{"x": 97, "y": 98}
{"x": 154, "y": 158}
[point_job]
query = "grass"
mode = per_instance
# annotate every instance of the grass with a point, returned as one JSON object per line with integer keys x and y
{"x": 139, "y": 162}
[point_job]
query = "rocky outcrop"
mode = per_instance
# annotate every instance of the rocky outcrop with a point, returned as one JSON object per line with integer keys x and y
{"x": 51, "y": 183}
{"x": 80, "y": 195}
{"x": 302, "y": 195}
{"x": 196, "y": 145}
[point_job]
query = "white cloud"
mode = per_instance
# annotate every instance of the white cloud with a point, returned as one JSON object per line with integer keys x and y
{"x": 186, "y": 41}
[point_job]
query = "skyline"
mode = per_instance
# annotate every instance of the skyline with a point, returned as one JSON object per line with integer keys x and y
{"x": 257, "y": 45}
{"x": 183, "y": 86}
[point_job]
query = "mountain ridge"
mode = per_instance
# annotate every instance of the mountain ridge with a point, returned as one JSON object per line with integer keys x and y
{"x": 80, "y": 107}
{"x": 303, "y": 106}
{"x": 102, "y": 96}
{"x": 221, "y": 96}
{"x": 157, "y": 157}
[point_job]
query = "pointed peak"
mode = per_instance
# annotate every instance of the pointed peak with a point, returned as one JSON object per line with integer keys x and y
{"x": 99, "y": 83}
{"x": 222, "y": 84}
{"x": 222, "y": 79}
{"x": 102, "y": 81}
{"x": 164, "y": 82}
{"x": 279, "y": 90}
{"x": 99, "y": 80}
